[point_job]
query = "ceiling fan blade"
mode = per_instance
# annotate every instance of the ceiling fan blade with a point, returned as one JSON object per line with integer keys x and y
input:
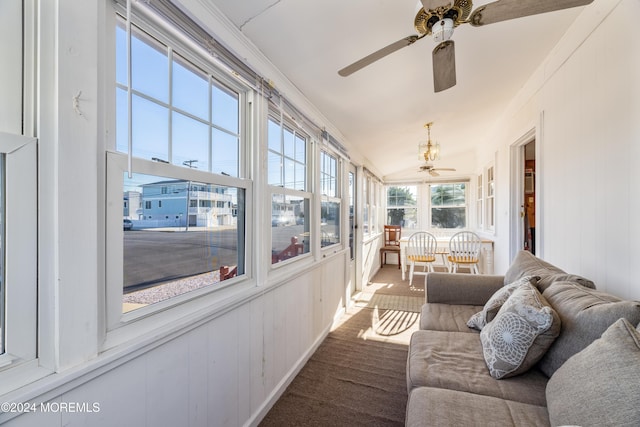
{"x": 503, "y": 10}
{"x": 444, "y": 66}
{"x": 434, "y": 4}
{"x": 432, "y": 172}
{"x": 379, "y": 54}
{"x": 445, "y": 169}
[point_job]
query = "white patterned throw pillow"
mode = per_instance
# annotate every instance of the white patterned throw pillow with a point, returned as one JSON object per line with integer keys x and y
{"x": 522, "y": 331}
{"x": 491, "y": 308}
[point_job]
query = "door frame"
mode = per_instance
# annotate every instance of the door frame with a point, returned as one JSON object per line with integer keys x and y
{"x": 516, "y": 191}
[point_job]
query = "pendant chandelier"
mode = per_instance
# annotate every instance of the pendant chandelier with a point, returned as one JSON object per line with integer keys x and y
{"x": 429, "y": 151}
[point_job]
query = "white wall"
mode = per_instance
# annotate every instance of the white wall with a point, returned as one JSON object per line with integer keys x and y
{"x": 584, "y": 101}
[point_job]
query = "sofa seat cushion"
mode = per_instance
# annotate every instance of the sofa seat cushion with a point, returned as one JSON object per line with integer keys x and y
{"x": 447, "y": 317}
{"x": 599, "y": 385}
{"x": 429, "y": 406}
{"x": 521, "y": 333}
{"x": 527, "y": 264}
{"x": 584, "y": 315}
{"x": 454, "y": 360}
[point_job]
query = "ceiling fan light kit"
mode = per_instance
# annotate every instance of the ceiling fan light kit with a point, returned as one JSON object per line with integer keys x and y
{"x": 440, "y": 17}
{"x": 429, "y": 151}
{"x": 443, "y": 30}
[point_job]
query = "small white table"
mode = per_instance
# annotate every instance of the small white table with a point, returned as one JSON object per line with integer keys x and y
{"x": 486, "y": 254}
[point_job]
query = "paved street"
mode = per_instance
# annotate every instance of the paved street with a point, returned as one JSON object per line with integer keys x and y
{"x": 154, "y": 256}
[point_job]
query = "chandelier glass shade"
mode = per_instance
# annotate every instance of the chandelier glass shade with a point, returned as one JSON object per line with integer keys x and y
{"x": 429, "y": 151}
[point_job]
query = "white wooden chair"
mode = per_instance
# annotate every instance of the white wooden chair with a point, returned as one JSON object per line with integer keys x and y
{"x": 464, "y": 251}
{"x": 421, "y": 251}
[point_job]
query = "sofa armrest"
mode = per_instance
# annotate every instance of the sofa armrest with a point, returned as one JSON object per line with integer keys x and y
{"x": 460, "y": 288}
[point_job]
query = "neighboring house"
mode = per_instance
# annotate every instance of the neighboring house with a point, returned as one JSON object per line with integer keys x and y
{"x": 168, "y": 203}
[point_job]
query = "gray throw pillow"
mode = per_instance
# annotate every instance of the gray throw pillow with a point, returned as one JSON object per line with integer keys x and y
{"x": 599, "y": 385}
{"x": 585, "y": 315}
{"x": 493, "y": 305}
{"x": 520, "y": 334}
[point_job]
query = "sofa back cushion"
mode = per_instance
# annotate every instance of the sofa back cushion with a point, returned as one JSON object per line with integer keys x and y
{"x": 599, "y": 385}
{"x": 527, "y": 264}
{"x": 584, "y": 314}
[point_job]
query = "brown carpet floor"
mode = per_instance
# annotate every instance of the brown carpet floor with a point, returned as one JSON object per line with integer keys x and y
{"x": 357, "y": 375}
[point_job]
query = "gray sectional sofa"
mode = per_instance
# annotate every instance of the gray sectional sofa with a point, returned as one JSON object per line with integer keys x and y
{"x": 534, "y": 347}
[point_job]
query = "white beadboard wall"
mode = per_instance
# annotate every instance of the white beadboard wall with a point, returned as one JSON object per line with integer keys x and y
{"x": 585, "y": 102}
{"x": 219, "y": 374}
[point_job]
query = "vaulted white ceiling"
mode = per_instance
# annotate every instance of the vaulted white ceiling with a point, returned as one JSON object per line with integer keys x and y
{"x": 382, "y": 108}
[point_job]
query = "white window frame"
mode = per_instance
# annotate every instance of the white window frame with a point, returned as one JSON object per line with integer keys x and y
{"x": 116, "y": 168}
{"x": 336, "y": 197}
{"x": 306, "y": 194}
{"x": 19, "y": 361}
{"x": 416, "y": 191}
{"x": 466, "y": 202}
{"x": 119, "y": 326}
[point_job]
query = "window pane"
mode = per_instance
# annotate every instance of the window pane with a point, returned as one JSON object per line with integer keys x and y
{"x": 150, "y": 130}
{"x": 330, "y": 223}
{"x": 225, "y": 153}
{"x": 275, "y": 169}
{"x": 149, "y": 67}
{"x": 179, "y": 236}
{"x": 190, "y": 89}
{"x": 289, "y": 144}
{"x": 225, "y": 109}
{"x": 275, "y": 141}
{"x": 289, "y": 227}
{"x": 328, "y": 175}
{"x": 301, "y": 177}
{"x": 448, "y": 218}
{"x": 190, "y": 142}
{"x": 448, "y": 205}
{"x": 301, "y": 149}
{"x": 290, "y": 175}
{"x": 402, "y": 207}
{"x": 285, "y": 149}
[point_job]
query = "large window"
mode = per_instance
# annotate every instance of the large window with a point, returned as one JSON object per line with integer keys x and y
{"x": 176, "y": 193}
{"x": 448, "y": 205}
{"x": 330, "y": 202}
{"x": 402, "y": 206}
{"x": 290, "y": 196}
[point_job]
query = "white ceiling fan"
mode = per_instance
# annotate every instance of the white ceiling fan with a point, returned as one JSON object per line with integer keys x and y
{"x": 440, "y": 17}
{"x": 433, "y": 171}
